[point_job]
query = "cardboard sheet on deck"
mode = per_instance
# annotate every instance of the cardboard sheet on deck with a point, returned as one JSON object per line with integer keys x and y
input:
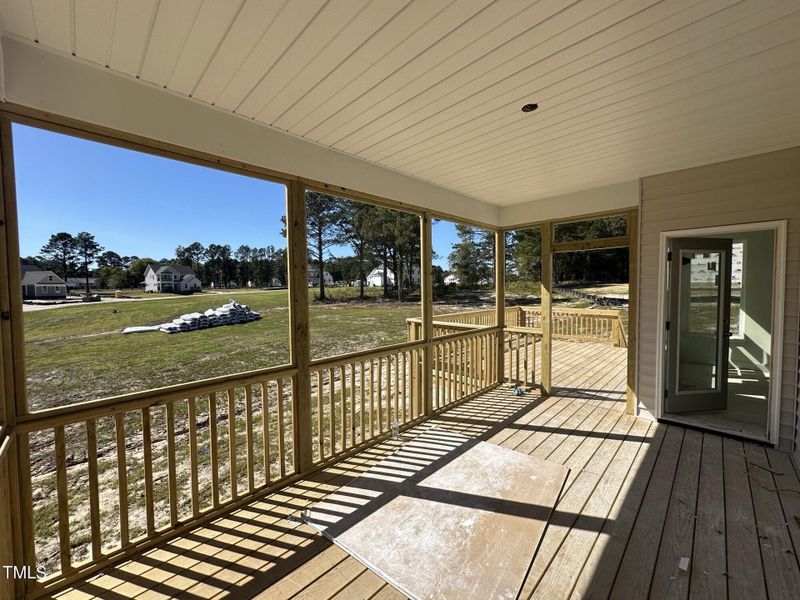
{"x": 445, "y": 516}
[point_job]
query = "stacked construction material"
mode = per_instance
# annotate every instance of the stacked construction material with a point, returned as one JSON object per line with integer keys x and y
{"x": 229, "y": 313}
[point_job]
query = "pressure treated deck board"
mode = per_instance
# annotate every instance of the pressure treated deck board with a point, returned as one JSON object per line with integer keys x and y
{"x": 709, "y": 571}
{"x": 672, "y": 572}
{"x": 612, "y": 526}
{"x": 745, "y": 568}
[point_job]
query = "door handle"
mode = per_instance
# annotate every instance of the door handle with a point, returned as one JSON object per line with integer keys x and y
{"x": 727, "y": 334}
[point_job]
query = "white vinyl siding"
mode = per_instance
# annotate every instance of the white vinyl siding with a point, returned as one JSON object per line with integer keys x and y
{"x": 758, "y": 188}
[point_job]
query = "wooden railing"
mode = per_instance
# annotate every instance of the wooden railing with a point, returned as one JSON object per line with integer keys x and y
{"x": 578, "y": 324}
{"x": 359, "y": 397}
{"x": 109, "y": 478}
{"x": 520, "y": 356}
{"x": 113, "y": 474}
{"x": 463, "y": 365}
{"x": 602, "y": 326}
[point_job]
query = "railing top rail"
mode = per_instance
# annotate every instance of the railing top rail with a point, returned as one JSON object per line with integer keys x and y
{"x": 478, "y": 331}
{"x": 342, "y": 359}
{"x": 596, "y": 312}
{"x": 92, "y": 409}
{"x": 457, "y": 325}
{"x": 531, "y": 330}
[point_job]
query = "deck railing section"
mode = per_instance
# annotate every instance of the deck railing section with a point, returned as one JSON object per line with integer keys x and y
{"x": 110, "y": 476}
{"x": 463, "y": 365}
{"x": 359, "y": 397}
{"x": 604, "y": 326}
{"x": 519, "y": 345}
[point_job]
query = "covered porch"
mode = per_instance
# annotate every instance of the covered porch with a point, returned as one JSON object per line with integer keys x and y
{"x": 722, "y": 512}
{"x": 643, "y": 121}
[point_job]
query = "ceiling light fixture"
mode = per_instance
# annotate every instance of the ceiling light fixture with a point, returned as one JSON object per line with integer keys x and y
{"x": 530, "y": 107}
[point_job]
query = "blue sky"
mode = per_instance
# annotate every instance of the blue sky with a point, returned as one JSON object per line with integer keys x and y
{"x": 145, "y": 205}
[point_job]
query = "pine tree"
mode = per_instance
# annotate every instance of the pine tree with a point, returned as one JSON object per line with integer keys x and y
{"x": 87, "y": 249}
{"x": 62, "y": 250}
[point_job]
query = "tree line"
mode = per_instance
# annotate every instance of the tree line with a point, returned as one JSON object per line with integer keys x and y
{"x": 373, "y": 233}
{"x": 81, "y": 255}
{"x": 524, "y": 253}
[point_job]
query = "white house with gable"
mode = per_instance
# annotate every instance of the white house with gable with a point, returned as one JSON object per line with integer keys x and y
{"x": 164, "y": 278}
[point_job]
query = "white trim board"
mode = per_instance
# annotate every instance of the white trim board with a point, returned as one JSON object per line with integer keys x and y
{"x": 778, "y": 297}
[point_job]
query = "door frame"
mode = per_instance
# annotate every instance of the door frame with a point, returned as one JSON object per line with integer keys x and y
{"x": 778, "y": 295}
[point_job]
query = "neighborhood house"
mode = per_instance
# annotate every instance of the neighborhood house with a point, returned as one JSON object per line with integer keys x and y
{"x": 313, "y": 276}
{"x": 375, "y": 277}
{"x": 79, "y": 283}
{"x": 179, "y": 279}
{"x": 38, "y": 283}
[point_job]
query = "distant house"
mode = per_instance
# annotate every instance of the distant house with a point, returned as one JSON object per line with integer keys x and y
{"x": 178, "y": 279}
{"x": 375, "y": 277}
{"x": 79, "y": 283}
{"x": 38, "y": 283}
{"x": 313, "y": 276}
{"x": 451, "y": 279}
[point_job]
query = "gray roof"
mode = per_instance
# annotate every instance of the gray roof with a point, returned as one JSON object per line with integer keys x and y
{"x": 182, "y": 270}
{"x": 34, "y": 277}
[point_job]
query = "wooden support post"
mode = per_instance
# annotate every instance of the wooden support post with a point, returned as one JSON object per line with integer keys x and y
{"x": 547, "y": 308}
{"x": 12, "y": 365}
{"x": 633, "y": 306}
{"x": 500, "y": 299}
{"x": 299, "y": 344}
{"x": 426, "y": 269}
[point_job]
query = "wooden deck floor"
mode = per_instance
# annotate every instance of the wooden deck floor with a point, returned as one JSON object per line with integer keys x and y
{"x": 648, "y": 510}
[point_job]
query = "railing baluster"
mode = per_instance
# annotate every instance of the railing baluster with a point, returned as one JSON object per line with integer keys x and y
{"x": 122, "y": 479}
{"x": 248, "y": 417}
{"x": 281, "y": 428}
{"x": 213, "y": 450}
{"x": 320, "y": 426}
{"x": 265, "y": 431}
{"x": 380, "y": 395}
{"x": 94, "y": 494}
{"x": 62, "y": 499}
{"x": 331, "y": 414}
{"x": 171, "y": 467}
{"x": 362, "y": 396}
{"x": 148, "y": 471}
{"x": 195, "y": 484}
{"x": 343, "y": 405}
{"x": 353, "y": 403}
{"x": 397, "y": 416}
{"x": 233, "y": 470}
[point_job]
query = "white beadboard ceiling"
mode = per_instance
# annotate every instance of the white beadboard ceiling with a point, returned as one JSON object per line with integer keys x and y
{"x": 433, "y": 88}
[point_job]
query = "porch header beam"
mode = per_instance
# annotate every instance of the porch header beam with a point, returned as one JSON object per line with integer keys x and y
{"x": 595, "y": 244}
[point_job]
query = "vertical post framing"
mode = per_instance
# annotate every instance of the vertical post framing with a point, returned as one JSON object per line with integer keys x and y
{"x": 500, "y": 299}
{"x": 426, "y": 282}
{"x": 633, "y": 306}
{"x": 299, "y": 345}
{"x": 547, "y": 308}
{"x": 12, "y": 361}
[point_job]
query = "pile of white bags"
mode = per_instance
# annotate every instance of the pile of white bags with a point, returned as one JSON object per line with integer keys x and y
{"x": 229, "y": 313}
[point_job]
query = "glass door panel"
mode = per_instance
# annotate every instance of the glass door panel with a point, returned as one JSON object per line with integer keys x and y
{"x": 699, "y": 324}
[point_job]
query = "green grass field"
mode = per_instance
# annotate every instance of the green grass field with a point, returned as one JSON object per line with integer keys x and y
{"x": 79, "y": 353}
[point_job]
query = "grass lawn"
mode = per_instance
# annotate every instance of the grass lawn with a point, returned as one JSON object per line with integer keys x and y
{"x": 79, "y": 353}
